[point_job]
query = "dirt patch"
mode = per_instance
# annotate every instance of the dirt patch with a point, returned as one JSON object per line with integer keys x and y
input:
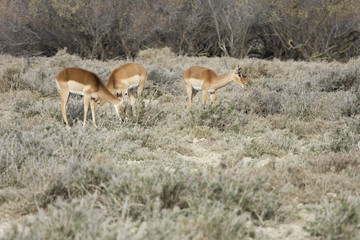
{"x": 201, "y": 155}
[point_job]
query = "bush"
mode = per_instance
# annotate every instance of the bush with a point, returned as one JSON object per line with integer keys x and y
{"x": 222, "y": 116}
{"x": 10, "y": 79}
{"x": 335, "y": 162}
{"x": 122, "y": 28}
{"x": 336, "y": 220}
{"x": 338, "y": 79}
{"x": 277, "y": 143}
{"x": 342, "y": 139}
{"x": 263, "y": 103}
{"x": 126, "y": 196}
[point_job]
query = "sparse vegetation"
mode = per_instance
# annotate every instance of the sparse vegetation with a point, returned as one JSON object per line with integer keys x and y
{"x": 335, "y": 219}
{"x": 278, "y": 159}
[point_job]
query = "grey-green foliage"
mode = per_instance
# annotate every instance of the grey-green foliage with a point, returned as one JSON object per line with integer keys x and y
{"x": 170, "y": 173}
{"x": 336, "y": 220}
{"x": 127, "y": 203}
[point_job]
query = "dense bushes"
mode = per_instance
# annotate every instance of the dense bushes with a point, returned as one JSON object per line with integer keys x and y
{"x": 300, "y": 30}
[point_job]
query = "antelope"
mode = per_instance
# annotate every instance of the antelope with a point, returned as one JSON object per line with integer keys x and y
{"x": 88, "y": 84}
{"x": 205, "y": 79}
{"x": 125, "y": 79}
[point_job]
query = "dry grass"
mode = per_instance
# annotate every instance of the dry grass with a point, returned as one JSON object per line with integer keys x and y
{"x": 278, "y": 159}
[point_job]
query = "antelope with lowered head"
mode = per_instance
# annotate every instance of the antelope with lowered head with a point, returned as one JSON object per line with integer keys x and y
{"x": 88, "y": 84}
{"x": 124, "y": 80}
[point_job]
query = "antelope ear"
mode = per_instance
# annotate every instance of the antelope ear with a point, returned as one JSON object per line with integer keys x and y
{"x": 236, "y": 69}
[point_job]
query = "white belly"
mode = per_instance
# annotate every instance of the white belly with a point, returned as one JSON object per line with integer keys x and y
{"x": 133, "y": 86}
{"x": 197, "y": 88}
{"x": 196, "y": 83}
{"x": 78, "y": 93}
{"x": 76, "y": 87}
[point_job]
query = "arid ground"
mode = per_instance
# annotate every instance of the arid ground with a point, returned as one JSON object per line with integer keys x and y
{"x": 279, "y": 159}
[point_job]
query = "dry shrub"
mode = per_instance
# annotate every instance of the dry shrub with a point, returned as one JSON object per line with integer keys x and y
{"x": 307, "y": 138}
{"x": 221, "y": 116}
{"x": 335, "y": 162}
{"x": 300, "y": 106}
{"x": 41, "y": 79}
{"x": 131, "y": 195}
{"x": 336, "y": 219}
{"x": 163, "y": 81}
{"x": 30, "y": 106}
{"x": 182, "y": 150}
{"x": 160, "y": 76}
{"x": 301, "y": 182}
{"x": 301, "y": 178}
{"x": 256, "y": 69}
{"x": 298, "y": 127}
{"x": 151, "y": 53}
{"x": 11, "y": 71}
{"x": 62, "y": 60}
{"x": 274, "y": 143}
{"x": 350, "y": 106}
{"x": 342, "y": 138}
{"x": 307, "y": 106}
{"x": 11, "y": 158}
{"x": 38, "y": 148}
{"x": 304, "y": 129}
{"x": 340, "y": 79}
{"x": 299, "y": 91}
{"x": 260, "y": 69}
{"x": 145, "y": 115}
{"x": 202, "y": 131}
{"x": 72, "y": 220}
{"x": 10, "y": 79}
{"x": 261, "y": 102}
{"x": 278, "y": 121}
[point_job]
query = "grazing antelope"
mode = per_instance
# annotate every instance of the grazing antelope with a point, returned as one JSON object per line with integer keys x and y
{"x": 88, "y": 84}
{"x": 124, "y": 79}
{"x": 205, "y": 79}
